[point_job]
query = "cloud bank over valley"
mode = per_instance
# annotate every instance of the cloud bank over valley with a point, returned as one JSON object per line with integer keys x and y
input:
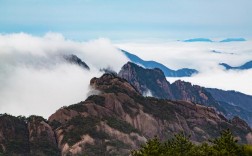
{"x": 35, "y": 79}
{"x": 204, "y": 57}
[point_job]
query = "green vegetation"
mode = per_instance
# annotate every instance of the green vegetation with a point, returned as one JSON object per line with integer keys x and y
{"x": 79, "y": 107}
{"x": 17, "y": 146}
{"x": 17, "y": 142}
{"x": 94, "y": 150}
{"x": 158, "y": 107}
{"x": 114, "y": 89}
{"x": 131, "y": 109}
{"x": 180, "y": 145}
{"x": 118, "y": 144}
{"x": 120, "y": 125}
{"x": 55, "y": 124}
{"x": 44, "y": 148}
{"x": 248, "y": 150}
{"x": 37, "y": 119}
{"x": 99, "y": 100}
{"x": 79, "y": 126}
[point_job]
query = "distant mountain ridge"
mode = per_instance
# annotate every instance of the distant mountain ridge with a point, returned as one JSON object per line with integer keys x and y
{"x": 209, "y": 40}
{"x": 229, "y": 103}
{"x": 247, "y": 65}
{"x": 198, "y": 40}
{"x": 233, "y": 97}
{"x": 233, "y": 40}
{"x": 184, "y": 72}
{"x": 153, "y": 80}
{"x": 237, "y": 103}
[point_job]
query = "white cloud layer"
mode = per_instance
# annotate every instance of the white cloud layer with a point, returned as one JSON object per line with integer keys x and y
{"x": 199, "y": 56}
{"x": 36, "y": 80}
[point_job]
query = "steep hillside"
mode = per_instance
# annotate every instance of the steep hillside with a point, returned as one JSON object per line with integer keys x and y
{"x": 121, "y": 119}
{"x": 113, "y": 123}
{"x": 146, "y": 81}
{"x": 237, "y": 104}
{"x": 26, "y": 136}
{"x": 154, "y": 81}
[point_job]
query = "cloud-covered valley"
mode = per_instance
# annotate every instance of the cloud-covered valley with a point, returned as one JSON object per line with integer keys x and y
{"x": 35, "y": 79}
{"x": 205, "y": 57}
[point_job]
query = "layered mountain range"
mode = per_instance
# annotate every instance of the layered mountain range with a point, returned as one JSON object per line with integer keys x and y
{"x": 120, "y": 118}
{"x": 113, "y": 123}
{"x": 184, "y": 72}
{"x": 229, "y": 103}
{"x": 209, "y": 40}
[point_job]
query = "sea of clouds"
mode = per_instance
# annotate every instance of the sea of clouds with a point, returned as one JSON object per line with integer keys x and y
{"x": 205, "y": 57}
{"x": 36, "y": 80}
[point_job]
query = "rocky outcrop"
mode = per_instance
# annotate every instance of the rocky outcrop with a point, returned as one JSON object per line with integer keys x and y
{"x": 114, "y": 122}
{"x": 120, "y": 119}
{"x": 237, "y": 104}
{"x": 26, "y": 136}
{"x": 154, "y": 81}
{"x": 147, "y": 80}
{"x": 42, "y": 139}
{"x": 186, "y": 91}
{"x": 14, "y": 136}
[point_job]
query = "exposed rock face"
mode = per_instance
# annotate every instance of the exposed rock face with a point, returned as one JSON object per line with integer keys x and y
{"x": 156, "y": 83}
{"x": 147, "y": 80}
{"x": 32, "y": 136}
{"x": 120, "y": 119}
{"x": 240, "y": 123}
{"x": 186, "y": 91}
{"x": 41, "y": 137}
{"x": 230, "y": 103}
{"x": 14, "y": 136}
{"x": 237, "y": 104}
{"x": 113, "y": 123}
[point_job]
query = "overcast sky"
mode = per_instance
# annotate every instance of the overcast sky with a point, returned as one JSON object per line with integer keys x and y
{"x": 128, "y": 19}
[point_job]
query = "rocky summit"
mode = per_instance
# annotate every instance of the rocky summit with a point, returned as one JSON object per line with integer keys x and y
{"x": 154, "y": 81}
{"x": 114, "y": 122}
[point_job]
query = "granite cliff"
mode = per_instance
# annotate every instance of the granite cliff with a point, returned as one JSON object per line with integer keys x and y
{"x": 114, "y": 122}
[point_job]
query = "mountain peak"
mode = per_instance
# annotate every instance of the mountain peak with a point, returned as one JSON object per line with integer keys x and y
{"x": 184, "y": 72}
{"x": 110, "y": 82}
{"x": 73, "y": 59}
{"x": 147, "y": 80}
